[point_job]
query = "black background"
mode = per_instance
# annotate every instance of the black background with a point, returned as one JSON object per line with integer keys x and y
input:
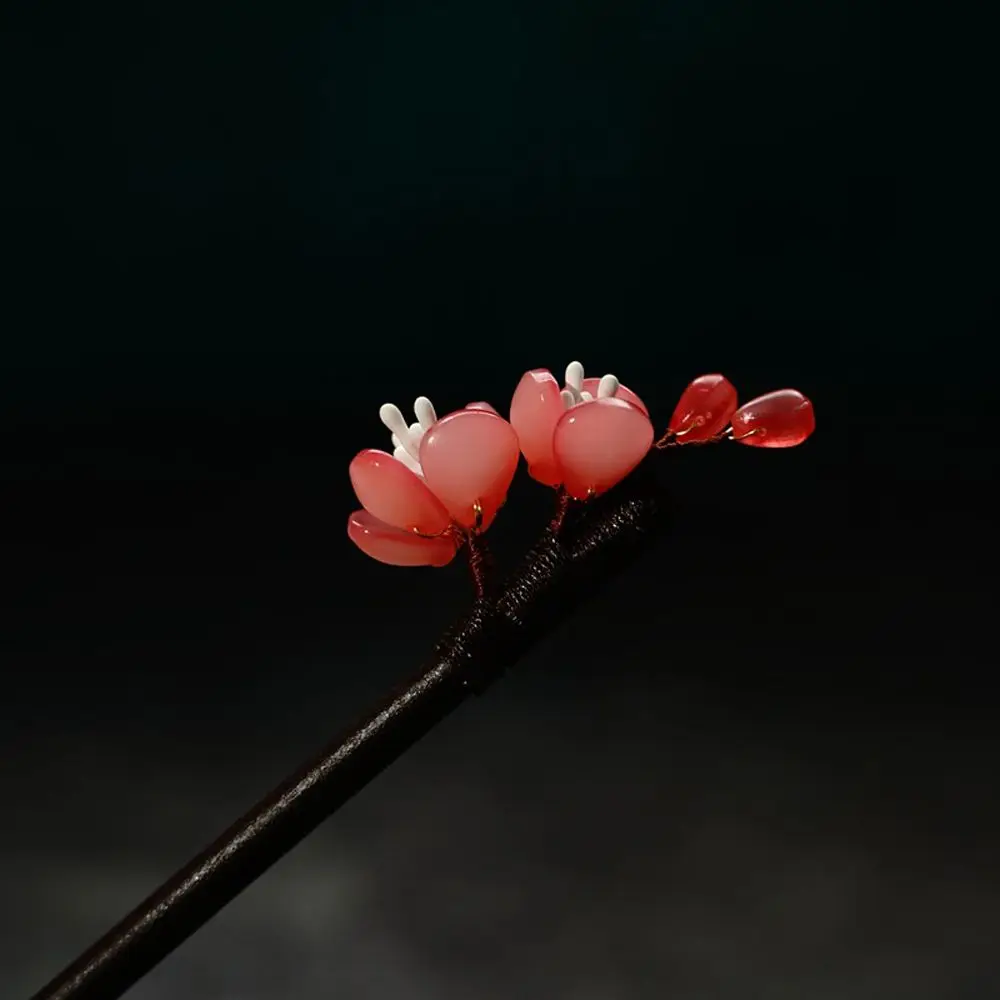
{"x": 762, "y": 764}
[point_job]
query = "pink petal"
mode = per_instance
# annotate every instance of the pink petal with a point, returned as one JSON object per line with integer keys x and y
{"x": 481, "y": 405}
{"x": 470, "y": 456}
{"x": 781, "y": 419}
{"x": 534, "y": 412}
{"x": 704, "y": 409}
{"x": 598, "y": 444}
{"x": 591, "y": 384}
{"x": 391, "y": 492}
{"x": 395, "y": 547}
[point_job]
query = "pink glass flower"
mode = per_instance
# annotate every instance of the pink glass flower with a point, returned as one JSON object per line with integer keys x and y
{"x": 586, "y": 437}
{"x": 445, "y": 478}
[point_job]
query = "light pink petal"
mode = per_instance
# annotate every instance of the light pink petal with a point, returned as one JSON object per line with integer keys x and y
{"x": 482, "y": 405}
{"x": 470, "y": 457}
{"x": 598, "y": 444}
{"x": 591, "y": 384}
{"x": 395, "y": 547}
{"x": 391, "y": 492}
{"x": 534, "y": 412}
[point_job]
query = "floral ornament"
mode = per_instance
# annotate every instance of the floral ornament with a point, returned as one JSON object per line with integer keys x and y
{"x": 586, "y": 437}
{"x": 445, "y": 480}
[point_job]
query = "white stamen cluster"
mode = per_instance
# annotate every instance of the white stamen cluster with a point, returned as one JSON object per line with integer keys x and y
{"x": 574, "y": 392}
{"x": 406, "y": 439}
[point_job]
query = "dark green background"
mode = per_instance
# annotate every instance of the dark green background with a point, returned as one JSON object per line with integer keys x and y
{"x": 232, "y": 201}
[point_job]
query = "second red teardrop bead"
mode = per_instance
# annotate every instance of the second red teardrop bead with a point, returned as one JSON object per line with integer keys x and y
{"x": 781, "y": 419}
{"x": 703, "y": 410}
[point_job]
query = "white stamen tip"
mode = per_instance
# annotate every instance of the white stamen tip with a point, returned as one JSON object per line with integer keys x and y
{"x": 423, "y": 408}
{"x": 586, "y": 397}
{"x": 568, "y": 398}
{"x": 392, "y": 417}
{"x": 574, "y": 376}
{"x": 608, "y": 387}
{"x": 402, "y": 455}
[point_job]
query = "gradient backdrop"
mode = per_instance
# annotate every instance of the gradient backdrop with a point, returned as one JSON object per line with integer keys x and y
{"x": 761, "y": 765}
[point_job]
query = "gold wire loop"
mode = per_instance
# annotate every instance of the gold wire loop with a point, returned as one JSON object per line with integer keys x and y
{"x": 454, "y": 529}
{"x": 731, "y": 436}
{"x": 687, "y": 430}
{"x": 437, "y": 534}
{"x": 671, "y": 438}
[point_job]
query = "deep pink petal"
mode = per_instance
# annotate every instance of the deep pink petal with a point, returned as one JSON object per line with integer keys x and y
{"x": 395, "y": 547}
{"x": 534, "y": 412}
{"x": 391, "y": 492}
{"x": 704, "y": 409}
{"x": 591, "y": 385}
{"x": 470, "y": 457}
{"x": 598, "y": 444}
{"x": 482, "y": 405}
{"x": 781, "y": 419}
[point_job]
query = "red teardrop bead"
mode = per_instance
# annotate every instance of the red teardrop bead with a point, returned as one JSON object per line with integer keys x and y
{"x": 781, "y": 419}
{"x": 704, "y": 409}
